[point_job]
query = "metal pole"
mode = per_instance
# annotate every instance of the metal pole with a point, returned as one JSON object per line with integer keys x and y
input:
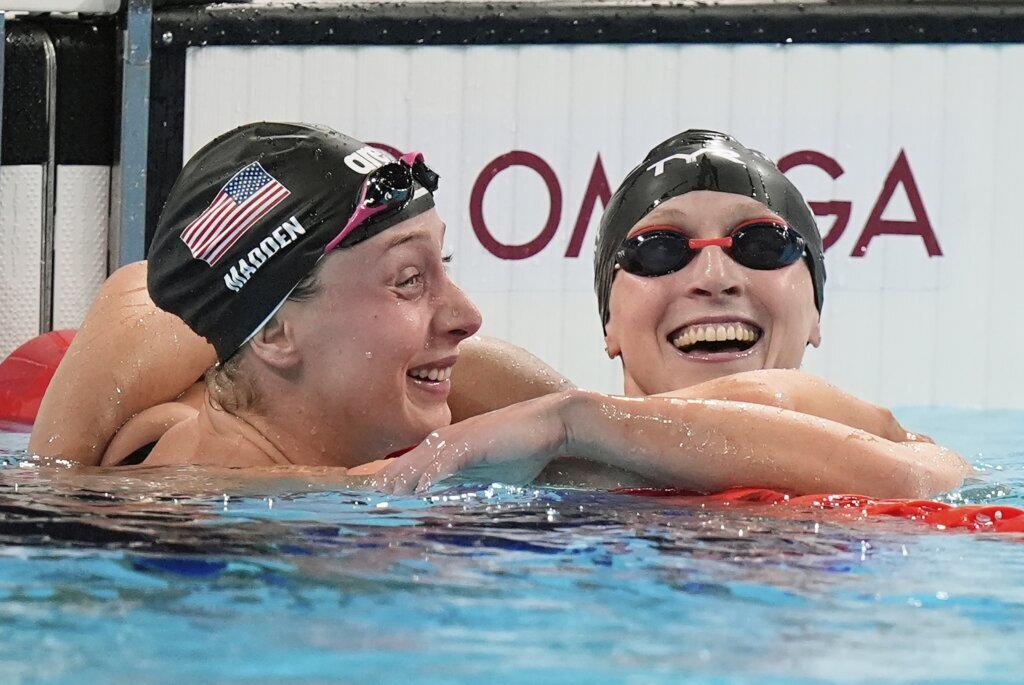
{"x": 128, "y": 193}
{"x": 49, "y": 190}
{"x": 3, "y": 49}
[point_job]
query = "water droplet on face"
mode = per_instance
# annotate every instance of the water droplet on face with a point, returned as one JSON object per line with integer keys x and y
{"x": 369, "y": 355}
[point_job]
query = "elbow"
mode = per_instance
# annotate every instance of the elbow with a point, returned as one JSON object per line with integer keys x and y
{"x": 943, "y": 470}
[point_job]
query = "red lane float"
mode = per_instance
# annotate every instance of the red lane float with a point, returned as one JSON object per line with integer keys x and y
{"x": 975, "y": 518}
{"x": 26, "y": 373}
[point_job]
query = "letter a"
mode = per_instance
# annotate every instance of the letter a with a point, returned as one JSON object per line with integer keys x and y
{"x": 920, "y": 226}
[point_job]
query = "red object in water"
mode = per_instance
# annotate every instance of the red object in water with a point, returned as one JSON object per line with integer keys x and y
{"x": 26, "y": 373}
{"x": 975, "y": 518}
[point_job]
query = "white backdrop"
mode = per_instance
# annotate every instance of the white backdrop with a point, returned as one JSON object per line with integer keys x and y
{"x": 80, "y": 247}
{"x": 924, "y": 135}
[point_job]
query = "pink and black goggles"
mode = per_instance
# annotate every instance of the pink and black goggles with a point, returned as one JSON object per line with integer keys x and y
{"x": 387, "y": 189}
{"x": 661, "y": 250}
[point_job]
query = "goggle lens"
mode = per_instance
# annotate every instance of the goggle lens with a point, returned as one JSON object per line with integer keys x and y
{"x": 766, "y": 246}
{"x": 763, "y": 245}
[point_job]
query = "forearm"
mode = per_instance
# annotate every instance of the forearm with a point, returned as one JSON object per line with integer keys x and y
{"x": 493, "y": 373}
{"x": 711, "y": 445}
{"x": 804, "y": 393}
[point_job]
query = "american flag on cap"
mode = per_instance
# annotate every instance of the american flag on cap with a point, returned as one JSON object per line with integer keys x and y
{"x": 243, "y": 201}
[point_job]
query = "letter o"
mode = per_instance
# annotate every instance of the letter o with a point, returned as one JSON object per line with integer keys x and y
{"x": 359, "y": 164}
{"x": 476, "y": 205}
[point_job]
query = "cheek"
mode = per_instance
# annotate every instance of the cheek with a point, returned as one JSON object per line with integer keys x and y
{"x": 790, "y": 302}
{"x": 636, "y": 304}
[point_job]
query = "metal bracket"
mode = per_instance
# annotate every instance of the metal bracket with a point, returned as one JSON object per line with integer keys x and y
{"x": 46, "y": 271}
{"x": 127, "y": 237}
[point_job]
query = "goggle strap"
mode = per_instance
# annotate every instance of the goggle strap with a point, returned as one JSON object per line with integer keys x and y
{"x": 698, "y": 243}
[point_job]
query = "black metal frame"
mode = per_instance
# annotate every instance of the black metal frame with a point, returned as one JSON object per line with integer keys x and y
{"x": 176, "y": 29}
{"x": 86, "y": 97}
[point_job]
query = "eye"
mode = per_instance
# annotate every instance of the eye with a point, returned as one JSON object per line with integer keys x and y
{"x": 448, "y": 258}
{"x": 412, "y": 281}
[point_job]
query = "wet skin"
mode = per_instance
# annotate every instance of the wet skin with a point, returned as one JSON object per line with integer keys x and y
{"x": 386, "y": 315}
{"x": 648, "y": 313}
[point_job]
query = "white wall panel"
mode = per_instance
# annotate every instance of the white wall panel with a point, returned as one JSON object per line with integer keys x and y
{"x": 80, "y": 247}
{"x": 899, "y": 326}
{"x": 80, "y": 241}
{"x": 21, "y": 211}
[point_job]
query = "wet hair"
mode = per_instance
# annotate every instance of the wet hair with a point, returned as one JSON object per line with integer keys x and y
{"x": 701, "y": 160}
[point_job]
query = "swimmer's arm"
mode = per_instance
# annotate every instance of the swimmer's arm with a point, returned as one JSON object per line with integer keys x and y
{"x": 492, "y": 373}
{"x": 802, "y": 392}
{"x": 145, "y": 428}
{"x": 698, "y": 445}
{"x": 128, "y": 356}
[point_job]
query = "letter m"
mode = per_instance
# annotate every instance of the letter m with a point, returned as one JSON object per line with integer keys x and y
{"x": 233, "y": 280}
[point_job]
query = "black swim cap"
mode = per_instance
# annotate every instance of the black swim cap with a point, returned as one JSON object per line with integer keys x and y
{"x": 249, "y": 217}
{"x": 701, "y": 160}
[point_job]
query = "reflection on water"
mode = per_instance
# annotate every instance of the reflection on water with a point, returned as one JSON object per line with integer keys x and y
{"x": 174, "y": 575}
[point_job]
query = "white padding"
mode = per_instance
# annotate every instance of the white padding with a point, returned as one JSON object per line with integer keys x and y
{"x": 890, "y": 138}
{"x": 80, "y": 243}
{"x": 89, "y": 6}
{"x": 20, "y": 232}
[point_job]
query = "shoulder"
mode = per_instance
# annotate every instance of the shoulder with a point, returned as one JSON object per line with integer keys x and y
{"x": 144, "y": 429}
{"x": 179, "y": 444}
{"x": 200, "y": 441}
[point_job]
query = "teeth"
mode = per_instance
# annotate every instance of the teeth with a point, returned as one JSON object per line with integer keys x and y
{"x": 715, "y": 333}
{"x": 436, "y": 374}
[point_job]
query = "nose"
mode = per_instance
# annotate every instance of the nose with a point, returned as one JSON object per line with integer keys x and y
{"x": 714, "y": 274}
{"x": 457, "y": 316}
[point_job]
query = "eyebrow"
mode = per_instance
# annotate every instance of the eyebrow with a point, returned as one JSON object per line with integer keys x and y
{"x": 412, "y": 234}
{"x": 671, "y": 215}
{"x": 402, "y": 238}
{"x": 678, "y": 218}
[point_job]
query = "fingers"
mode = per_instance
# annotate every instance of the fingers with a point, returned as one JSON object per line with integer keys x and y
{"x": 414, "y": 471}
{"x": 408, "y": 479}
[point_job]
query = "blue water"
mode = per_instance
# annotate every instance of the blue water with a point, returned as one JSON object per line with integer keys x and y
{"x": 173, "y": 576}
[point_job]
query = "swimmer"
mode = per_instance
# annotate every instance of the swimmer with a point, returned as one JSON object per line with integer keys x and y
{"x": 710, "y": 277}
{"x": 788, "y": 442}
{"x": 313, "y": 266}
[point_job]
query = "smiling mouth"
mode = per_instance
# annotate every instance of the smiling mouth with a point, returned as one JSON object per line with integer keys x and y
{"x": 429, "y": 374}
{"x": 711, "y": 338}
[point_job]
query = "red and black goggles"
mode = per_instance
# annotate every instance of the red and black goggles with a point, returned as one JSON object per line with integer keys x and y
{"x": 387, "y": 189}
{"x": 661, "y": 250}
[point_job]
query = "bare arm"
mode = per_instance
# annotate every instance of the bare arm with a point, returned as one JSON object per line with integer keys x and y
{"x": 709, "y": 445}
{"x": 130, "y": 357}
{"x": 802, "y": 392}
{"x": 493, "y": 373}
{"x": 701, "y": 445}
{"x": 127, "y": 356}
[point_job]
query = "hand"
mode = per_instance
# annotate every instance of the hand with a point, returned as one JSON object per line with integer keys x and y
{"x": 511, "y": 445}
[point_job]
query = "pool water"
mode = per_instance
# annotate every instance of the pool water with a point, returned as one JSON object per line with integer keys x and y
{"x": 136, "y": 578}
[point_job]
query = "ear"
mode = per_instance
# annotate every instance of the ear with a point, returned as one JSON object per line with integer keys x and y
{"x": 275, "y": 344}
{"x": 815, "y": 336}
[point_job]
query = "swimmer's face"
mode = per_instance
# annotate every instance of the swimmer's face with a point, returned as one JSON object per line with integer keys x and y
{"x": 654, "y": 321}
{"x": 381, "y": 336}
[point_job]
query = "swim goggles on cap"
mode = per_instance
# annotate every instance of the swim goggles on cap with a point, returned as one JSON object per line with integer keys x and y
{"x": 661, "y": 250}
{"x": 388, "y": 188}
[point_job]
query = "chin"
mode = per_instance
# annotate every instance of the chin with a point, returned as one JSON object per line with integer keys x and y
{"x": 422, "y": 425}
